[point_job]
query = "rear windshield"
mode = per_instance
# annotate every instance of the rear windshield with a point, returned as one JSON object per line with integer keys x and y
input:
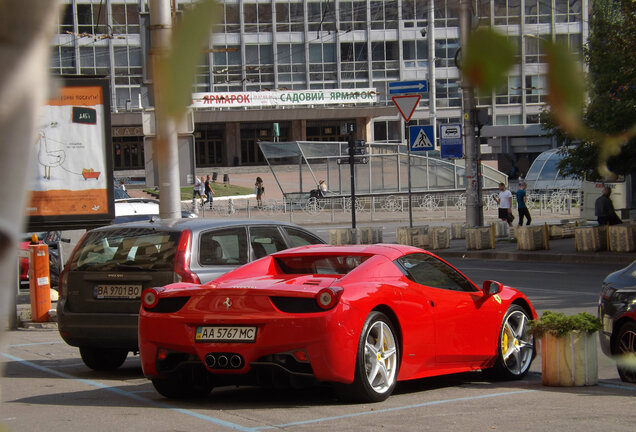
{"x": 126, "y": 249}
{"x": 320, "y": 264}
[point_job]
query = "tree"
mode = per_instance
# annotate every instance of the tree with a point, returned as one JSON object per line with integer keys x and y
{"x": 611, "y": 111}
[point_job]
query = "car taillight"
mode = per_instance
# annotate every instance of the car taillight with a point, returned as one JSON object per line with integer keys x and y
{"x": 63, "y": 285}
{"x": 182, "y": 260}
{"x": 150, "y": 297}
{"x": 328, "y": 297}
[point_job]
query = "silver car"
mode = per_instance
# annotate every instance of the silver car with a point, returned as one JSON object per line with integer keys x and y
{"x": 102, "y": 282}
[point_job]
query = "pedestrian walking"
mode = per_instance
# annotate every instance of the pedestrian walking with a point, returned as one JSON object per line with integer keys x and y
{"x": 522, "y": 206}
{"x": 198, "y": 190}
{"x": 208, "y": 191}
{"x": 504, "y": 200}
{"x": 604, "y": 209}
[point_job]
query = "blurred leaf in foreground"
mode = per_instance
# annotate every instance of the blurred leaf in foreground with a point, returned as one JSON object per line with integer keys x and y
{"x": 177, "y": 68}
{"x": 487, "y": 59}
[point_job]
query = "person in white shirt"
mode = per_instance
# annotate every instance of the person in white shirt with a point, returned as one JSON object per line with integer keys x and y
{"x": 504, "y": 199}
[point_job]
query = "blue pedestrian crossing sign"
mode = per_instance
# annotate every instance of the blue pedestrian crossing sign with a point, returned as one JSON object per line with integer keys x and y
{"x": 421, "y": 138}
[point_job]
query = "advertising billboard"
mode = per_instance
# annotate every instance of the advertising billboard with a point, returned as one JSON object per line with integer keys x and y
{"x": 72, "y": 182}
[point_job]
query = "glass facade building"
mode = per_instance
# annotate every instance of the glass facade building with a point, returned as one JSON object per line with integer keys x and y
{"x": 290, "y": 45}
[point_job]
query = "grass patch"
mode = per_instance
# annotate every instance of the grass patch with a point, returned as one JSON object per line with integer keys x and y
{"x": 219, "y": 189}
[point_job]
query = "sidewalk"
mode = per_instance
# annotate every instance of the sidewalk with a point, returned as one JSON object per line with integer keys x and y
{"x": 561, "y": 250}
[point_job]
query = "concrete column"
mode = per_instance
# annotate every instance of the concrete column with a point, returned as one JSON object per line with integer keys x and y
{"x": 232, "y": 143}
{"x": 298, "y": 130}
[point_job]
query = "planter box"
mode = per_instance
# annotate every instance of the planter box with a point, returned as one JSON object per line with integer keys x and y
{"x": 590, "y": 239}
{"x": 439, "y": 237}
{"x": 531, "y": 238}
{"x": 501, "y": 229}
{"x": 369, "y": 235}
{"x": 560, "y": 231}
{"x": 622, "y": 238}
{"x": 478, "y": 238}
{"x": 343, "y": 236}
{"x": 569, "y": 360}
{"x": 416, "y": 236}
{"x": 458, "y": 230}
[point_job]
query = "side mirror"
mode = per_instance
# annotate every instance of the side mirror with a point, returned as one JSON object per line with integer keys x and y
{"x": 491, "y": 287}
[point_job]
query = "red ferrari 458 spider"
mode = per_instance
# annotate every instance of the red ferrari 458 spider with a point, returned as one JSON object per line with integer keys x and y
{"x": 361, "y": 317}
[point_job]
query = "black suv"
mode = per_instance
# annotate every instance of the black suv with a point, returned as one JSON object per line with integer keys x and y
{"x": 102, "y": 282}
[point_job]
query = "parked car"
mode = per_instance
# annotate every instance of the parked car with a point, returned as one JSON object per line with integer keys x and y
{"x": 128, "y": 209}
{"x": 362, "y": 317}
{"x": 617, "y": 312}
{"x": 102, "y": 282}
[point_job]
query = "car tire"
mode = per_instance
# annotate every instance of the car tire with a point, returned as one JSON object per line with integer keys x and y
{"x": 515, "y": 346}
{"x": 625, "y": 343}
{"x": 103, "y": 359}
{"x": 184, "y": 383}
{"x": 377, "y": 361}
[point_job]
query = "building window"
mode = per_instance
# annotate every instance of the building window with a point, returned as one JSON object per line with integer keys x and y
{"x": 445, "y": 50}
{"x": 321, "y": 16}
{"x": 507, "y": 12}
{"x": 446, "y": 13}
{"x": 538, "y": 12}
{"x": 535, "y": 52}
{"x": 384, "y": 15}
{"x": 257, "y": 17}
{"x": 353, "y": 15}
{"x": 125, "y": 19}
{"x": 415, "y": 53}
{"x": 536, "y": 89}
{"x": 258, "y": 65}
{"x": 291, "y": 65}
{"x": 91, "y": 19}
{"x": 290, "y": 17}
{"x": 322, "y": 64}
{"x": 567, "y": 10}
{"x": 63, "y": 60}
{"x": 231, "y": 18}
{"x": 447, "y": 92}
{"x": 354, "y": 58}
{"x": 65, "y": 20}
{"x": 574, "y": 42}
{"x": 510, "y": 94}
{"x": 227, "y": 68}
{"x": 202, "y": 75}
{"x": 415, "y": 13}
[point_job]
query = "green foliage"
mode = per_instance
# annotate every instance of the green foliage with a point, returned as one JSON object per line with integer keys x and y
{"x": 487, "y": 59}
{"x": 559, "y": 324}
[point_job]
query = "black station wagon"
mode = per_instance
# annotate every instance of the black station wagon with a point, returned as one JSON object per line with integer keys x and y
{"x": 102, "y": 282}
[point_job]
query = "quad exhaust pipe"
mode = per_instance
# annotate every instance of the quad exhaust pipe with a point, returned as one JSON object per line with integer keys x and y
{"x": 224, "y": 361}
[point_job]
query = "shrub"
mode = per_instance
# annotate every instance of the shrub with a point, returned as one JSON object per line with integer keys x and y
{"x": 559, "y": 324}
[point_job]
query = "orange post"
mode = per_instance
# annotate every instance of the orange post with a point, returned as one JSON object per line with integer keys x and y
{"x": 39, "y": 280}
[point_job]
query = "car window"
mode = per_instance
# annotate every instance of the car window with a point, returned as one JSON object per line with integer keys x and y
{"x": 265, "y": 240}
{"x": 119, "y": 193}
{"x": 126, "y": 249}
{"x": 427, "y": 270}
{"x": 320, "y": 264}
{"x": 223, "y": 247}
{"x": 300, "y": 238}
